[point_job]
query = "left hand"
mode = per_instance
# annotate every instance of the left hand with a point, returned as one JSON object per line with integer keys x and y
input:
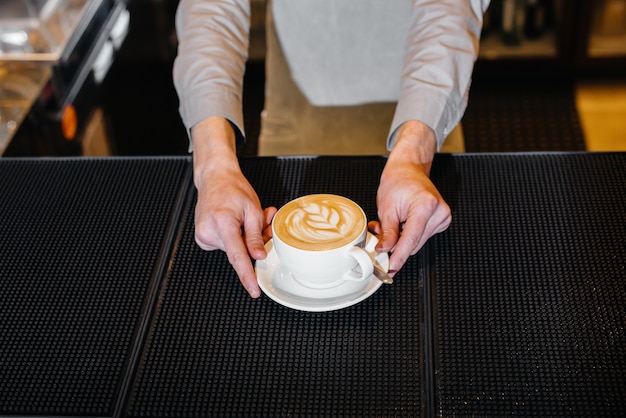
{"x": 410, "y": 208}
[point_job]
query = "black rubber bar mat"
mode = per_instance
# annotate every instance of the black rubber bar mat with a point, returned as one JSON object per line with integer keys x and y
{"x": 213, "y": 351}
{"x": 522, "y": 117}
{"x": 530, "y": 286}
{"x": 80, "y": 241}
{"x": 522, "y": 311}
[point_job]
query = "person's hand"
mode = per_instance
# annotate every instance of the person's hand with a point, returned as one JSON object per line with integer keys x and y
{"x": 228, "y": 214}
{"x": 410, "y": 208}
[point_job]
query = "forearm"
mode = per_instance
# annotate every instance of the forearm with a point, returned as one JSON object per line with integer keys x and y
{"x": 227, "y": 205}
{"x": 410, "y": 209}
{"x": 442, "y": 47}
{"x": 212, "y": 51}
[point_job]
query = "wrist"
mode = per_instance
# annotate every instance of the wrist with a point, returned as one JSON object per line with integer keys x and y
{"x": 416, "y": 143}
{"x": 214, "y": 147}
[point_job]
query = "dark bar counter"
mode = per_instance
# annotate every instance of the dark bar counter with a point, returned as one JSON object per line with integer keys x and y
{"x": 108, "y": 307}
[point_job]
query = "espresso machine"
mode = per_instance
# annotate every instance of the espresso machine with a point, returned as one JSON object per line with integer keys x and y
{"x": 54, "y": 55}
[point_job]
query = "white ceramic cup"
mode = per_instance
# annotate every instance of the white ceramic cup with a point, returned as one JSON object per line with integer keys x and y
{"x": 320, "y": 238}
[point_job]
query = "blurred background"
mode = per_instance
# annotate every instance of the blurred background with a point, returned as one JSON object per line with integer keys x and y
{"x": 551, "y": 76}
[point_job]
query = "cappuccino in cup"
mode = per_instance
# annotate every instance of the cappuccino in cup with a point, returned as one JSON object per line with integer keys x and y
{"x": 319, "y": 239}
{"x": 319, "y": 222}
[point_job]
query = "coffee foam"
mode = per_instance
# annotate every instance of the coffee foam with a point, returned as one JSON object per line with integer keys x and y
{"x": 319, "y": 222}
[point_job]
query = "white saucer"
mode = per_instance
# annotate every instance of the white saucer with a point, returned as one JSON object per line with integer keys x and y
{"x": 279, "y": 284}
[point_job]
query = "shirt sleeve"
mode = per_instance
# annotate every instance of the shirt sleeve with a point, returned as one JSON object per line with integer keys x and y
{"x": 213, "y": 39}
{"x": 442, "y": 46}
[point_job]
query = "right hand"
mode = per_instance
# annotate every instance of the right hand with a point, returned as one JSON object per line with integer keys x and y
{"x": 228, "y": 214}
{"x": 410, "y": 208}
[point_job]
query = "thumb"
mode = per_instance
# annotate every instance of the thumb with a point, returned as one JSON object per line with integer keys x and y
{"x": 388, "y": 236}
{"x": 267, "y": 226}
{"x": 253, "y": 236}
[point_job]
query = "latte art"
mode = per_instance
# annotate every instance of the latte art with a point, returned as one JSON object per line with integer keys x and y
{"x": 319, "y": 222}
{"x": 315, "y": 222}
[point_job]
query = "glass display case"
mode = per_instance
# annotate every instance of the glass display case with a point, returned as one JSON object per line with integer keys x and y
{"x": 19, "y": 88}
{"x": 52, "y": 54}
{"x": 40, "y": 30}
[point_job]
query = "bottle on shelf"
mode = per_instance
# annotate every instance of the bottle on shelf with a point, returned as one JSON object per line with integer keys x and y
{"x": 535, "y": 19}
{"x": 513, "y": 16}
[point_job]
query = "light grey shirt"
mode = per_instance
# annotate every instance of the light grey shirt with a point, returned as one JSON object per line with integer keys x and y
{"x": 419, "y": 53}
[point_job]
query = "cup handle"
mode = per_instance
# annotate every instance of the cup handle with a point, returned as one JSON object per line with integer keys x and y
{"x": 365, "y": 262}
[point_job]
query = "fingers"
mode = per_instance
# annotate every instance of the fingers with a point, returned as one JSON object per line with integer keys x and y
{"x": 222, "y": 231}
{"x": 410, "y": 213}
{"x": 374, "y": 227}
{"x": 253, "y": 227}
{"x": 388, "y": 236}
{"x": 241, "y": 240}
{"x": 239, "y": 258}
{"x": 257, "y": 232}
{"x": 419, "y": 227}
{"x": 267, "y": 226}
{"x": 228, "y": 213}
